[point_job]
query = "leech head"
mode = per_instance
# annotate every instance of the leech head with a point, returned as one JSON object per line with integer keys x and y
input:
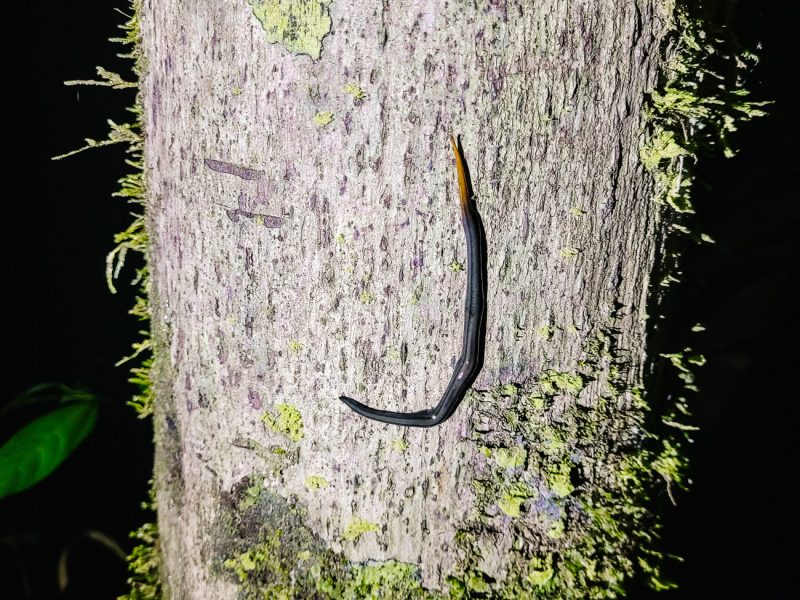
{"x": 462, "y": 175}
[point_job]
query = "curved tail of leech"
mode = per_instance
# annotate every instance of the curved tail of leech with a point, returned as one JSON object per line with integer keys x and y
{"x": 470, "y": 362}
{"x": 421, "y": 418}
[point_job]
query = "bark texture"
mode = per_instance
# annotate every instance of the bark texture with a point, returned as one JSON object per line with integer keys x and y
{"x": 305, "y": 239}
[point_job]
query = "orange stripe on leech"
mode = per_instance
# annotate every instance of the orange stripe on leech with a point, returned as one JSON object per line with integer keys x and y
{"x": 462, "y": 176}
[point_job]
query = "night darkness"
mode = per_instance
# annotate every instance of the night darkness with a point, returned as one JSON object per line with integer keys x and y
{"x": 736, "y": 529}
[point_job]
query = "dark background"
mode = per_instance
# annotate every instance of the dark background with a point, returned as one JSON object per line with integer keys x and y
{"x": 738, "y": 528}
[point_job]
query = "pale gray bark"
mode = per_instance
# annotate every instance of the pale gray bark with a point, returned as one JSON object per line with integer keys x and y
{"x": 353, "y": 291}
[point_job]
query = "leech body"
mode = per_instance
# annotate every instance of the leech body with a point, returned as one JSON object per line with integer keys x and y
{"x": 470, "y": 362}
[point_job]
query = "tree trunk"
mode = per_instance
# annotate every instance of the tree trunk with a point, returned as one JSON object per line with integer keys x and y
{"x": 305, "y": 243}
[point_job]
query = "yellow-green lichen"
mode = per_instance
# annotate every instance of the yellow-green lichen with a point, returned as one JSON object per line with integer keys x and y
{"x": 399, "y": 445}
{"x": 366, "y": 297}
{"x": 508, "y": 389}
{"x": 552, "y": 382}
{"x": 569, "y": 252}
{"x": 358, "y": 527}
{"x": 556, "y": 530}
{"x": 513, "y": 497}
{"x": 456, "y": 267}
{"x": 264, "y": 557}
{"x": 323, "y": 118}
{"x": 267, "y": 547}
{"x": 295, "y": 346}
{"x": 510, "y": 458}
{"x": 287, "y": 421}
{"x": 540, "y": 571}
{"x": 316, "y": 482}
{"x": 552, "y": 441}
{"x": 389, "y": 579}
{"x": 416, "y": 296}
{"x": 545, "y": 332}
{"x": 601, "y": 525}
{"x": 478, "y": 581}
{"x": 252, "y": 493}
{"x": 355, "y": 91}
{"x": 558, "y": 479}
{"x": 298, "y": 26}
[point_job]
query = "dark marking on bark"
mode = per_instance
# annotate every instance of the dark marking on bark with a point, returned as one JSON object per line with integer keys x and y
{"x": 254, "y": 398}
{"x": 268, "y": 221}
{"x": 240, "y": 171}
{"x": 248, "y": 325}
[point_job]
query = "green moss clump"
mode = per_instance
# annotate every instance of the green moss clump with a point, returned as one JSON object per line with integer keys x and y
{"x": 144, "y": 561}
{"x": 700, "y": 103}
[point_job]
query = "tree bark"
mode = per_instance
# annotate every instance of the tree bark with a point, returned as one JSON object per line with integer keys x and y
{"x": 305, "y": 243}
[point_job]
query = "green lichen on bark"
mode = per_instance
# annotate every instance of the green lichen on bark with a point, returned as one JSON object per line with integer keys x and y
{"x": 358, "y": 527}
{"x": 298, "y": 26}
{"x": 286, "y": 420}
{"x": 264, "y": 546}
{"x": 578, "y": 501}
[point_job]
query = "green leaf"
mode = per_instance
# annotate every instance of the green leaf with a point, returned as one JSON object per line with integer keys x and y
{"x": 38, "y": 448}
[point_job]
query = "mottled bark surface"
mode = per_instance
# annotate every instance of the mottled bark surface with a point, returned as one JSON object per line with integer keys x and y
{"x": 294, "y": 261}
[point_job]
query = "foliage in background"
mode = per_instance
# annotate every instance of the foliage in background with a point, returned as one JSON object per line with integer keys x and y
{"x": 38, "y": 448}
